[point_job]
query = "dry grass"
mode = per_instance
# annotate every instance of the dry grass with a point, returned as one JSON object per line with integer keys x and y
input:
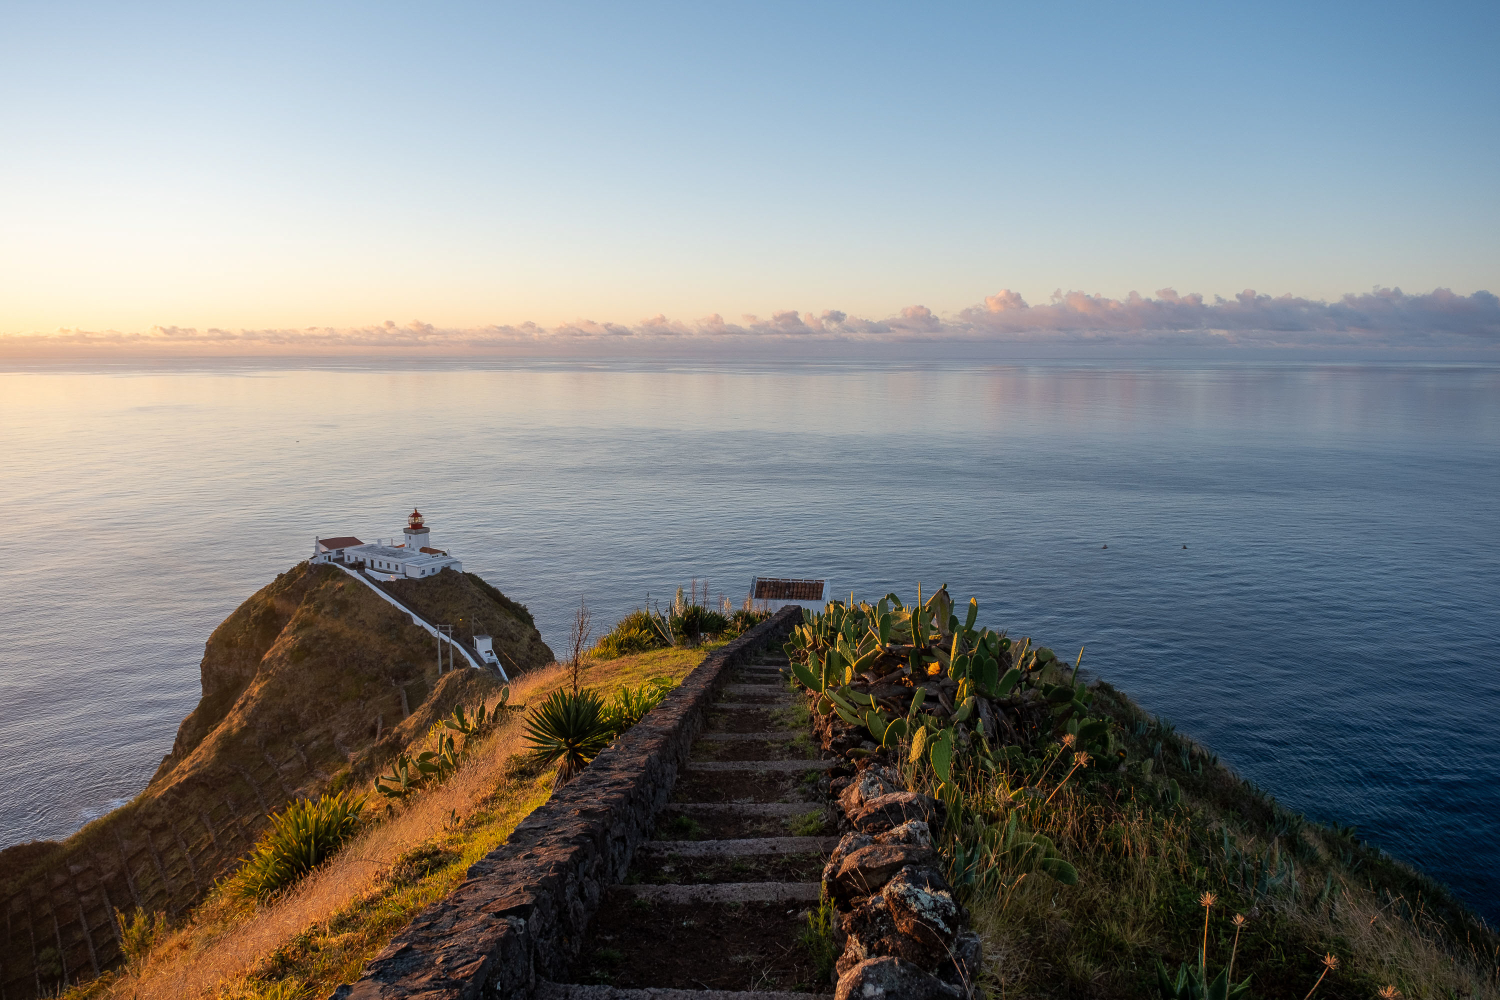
{"x": 323, "y": 931}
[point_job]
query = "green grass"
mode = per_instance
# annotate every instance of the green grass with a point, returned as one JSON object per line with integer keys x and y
{"x": 809, "y": 824}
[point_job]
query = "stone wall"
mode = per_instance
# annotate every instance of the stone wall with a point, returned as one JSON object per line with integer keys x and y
{"x": 522, "y": 912}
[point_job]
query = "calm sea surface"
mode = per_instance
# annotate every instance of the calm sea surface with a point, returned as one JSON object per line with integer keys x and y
{"x": 1332, "y": 627}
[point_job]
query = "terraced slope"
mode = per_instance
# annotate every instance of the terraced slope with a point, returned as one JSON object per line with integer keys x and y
{"x": 716, "y": 901}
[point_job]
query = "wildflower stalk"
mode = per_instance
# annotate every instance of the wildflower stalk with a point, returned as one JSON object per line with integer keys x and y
{"x": 1239, "y": 923}
{"x": 1207, "y": 902}
{"x": 1067, "y": 744}
{"x": 1079, "y": 760}
{"x": 1330, "y": 962}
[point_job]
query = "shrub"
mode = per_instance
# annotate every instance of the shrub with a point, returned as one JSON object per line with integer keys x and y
{"x": 139, "y": 933}
{"x": 633, "y": 635}
{"x": 568, "y": 729}
{"x": 301, "y": 838}
{"x": 630, "y": 705}
{"x": 642, "y": 631}
{"x": 744, "y": 620}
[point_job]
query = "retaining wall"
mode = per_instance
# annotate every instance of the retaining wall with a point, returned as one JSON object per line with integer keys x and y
{"x": 522, "y": 912}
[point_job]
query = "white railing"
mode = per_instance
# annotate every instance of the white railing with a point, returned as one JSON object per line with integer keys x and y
{"x": 417, "y": 620}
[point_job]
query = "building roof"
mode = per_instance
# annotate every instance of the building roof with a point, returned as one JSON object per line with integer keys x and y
{"x": 775, "y": 589}
{"x": 341, "y": 542}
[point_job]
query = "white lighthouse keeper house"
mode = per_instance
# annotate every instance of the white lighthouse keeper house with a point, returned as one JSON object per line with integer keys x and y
{"x": 412, "y": 558}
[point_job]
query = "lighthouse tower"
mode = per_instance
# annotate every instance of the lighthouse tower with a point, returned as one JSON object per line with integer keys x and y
{"x": 416, "y": 531}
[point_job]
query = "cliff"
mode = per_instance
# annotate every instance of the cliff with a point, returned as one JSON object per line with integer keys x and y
{"x": 305, "y": 687}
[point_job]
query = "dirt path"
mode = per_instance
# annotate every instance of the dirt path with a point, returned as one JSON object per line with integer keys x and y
{"x": 716, "y": 901}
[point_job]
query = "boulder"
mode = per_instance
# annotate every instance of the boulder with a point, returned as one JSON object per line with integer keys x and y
{"x": 912, "y": 833}
{"x": 889, "y": 811}
{"x": 922, "y": 905}
{"x": 871, "y": 783}
{"x": 880, "y": 978}
{"x": 849, "y": 843}
{"x": 865, "y": 870}
{"x": 967, "y": 961}
{"x": 869, "y": 932}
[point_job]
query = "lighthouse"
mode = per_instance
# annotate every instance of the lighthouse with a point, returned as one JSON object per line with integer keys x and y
{"x": 416, "y": 531}
{"x": 385, "y": 558}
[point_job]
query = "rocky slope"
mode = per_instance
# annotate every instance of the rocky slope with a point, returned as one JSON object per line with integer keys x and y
{"x": 312, "y": 683}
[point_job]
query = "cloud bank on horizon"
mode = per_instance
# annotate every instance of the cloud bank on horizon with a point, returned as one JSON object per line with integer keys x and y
{"x": 1383, "y": 319}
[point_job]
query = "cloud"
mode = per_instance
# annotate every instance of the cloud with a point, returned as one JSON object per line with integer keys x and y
{"x": 1382, "y": 319}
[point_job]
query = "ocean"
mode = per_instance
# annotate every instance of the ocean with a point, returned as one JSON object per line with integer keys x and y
{"x": 1295, "y": 563}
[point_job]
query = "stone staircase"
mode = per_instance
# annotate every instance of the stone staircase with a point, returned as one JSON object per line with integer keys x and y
{"x": 713, "y": 907}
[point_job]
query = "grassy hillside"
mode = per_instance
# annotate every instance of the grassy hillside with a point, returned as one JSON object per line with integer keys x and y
{"x": 1165, "y": 823}
{"x": 313, "y": 681}
{"x": 324, "y": 931}
{"x": 1092, "y": 841}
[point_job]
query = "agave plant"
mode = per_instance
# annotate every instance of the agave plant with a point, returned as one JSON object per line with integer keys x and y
{"x": 300, "y": 838}
{"x": 568, "y": 729}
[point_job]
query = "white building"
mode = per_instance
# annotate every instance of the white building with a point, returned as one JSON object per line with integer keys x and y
{"x": 773, "y": 593}
{"x": 387, "y": 559}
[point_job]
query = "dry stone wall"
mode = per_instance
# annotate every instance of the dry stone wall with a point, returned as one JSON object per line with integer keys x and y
{"x": 521, "y": 914}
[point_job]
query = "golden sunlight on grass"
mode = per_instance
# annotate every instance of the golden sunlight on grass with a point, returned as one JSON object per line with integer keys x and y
{"x": 322, "y": 932}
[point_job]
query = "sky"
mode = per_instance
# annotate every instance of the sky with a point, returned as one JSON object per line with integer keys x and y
{"x": 272, "y": 174}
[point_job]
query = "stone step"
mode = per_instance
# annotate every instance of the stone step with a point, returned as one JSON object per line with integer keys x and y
{"x": 754, "y": 706}
{"x": 763, "y": 765}
{"x": 734, "y": 945}
{"x": 724, "y": 892}
{"x": 561, "y": 991}
{"x": 769, "y": 736}
{"x": 758, "y": 689}
{"x": 711, "y": 821}
{"x": 748, "y": 847}
{"x": 770, "y": 809}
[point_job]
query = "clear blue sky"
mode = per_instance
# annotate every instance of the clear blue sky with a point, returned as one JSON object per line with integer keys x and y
{"x": 288, "y": 165}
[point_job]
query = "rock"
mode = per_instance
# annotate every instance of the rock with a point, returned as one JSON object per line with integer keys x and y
{"x": 922, "y": 905}
{"x": 879, "y": 978}
{"x": 912, "y": 833}
{"x": 967, "y": 962}
{"x": 863, "y": 871}
{"x": 848, "y": 844}
{"x": 870, "y": 932}
{"x": 871, "y": 783}
{"x": 881, "y": 814}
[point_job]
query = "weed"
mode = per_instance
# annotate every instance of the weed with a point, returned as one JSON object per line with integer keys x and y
{"x": 808, "y": 824}
{"x": 818, "y": 938}
{"x": 682, "y": 827}
{"x": 139, "y": 933}
{"x": 418, "y": 863}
